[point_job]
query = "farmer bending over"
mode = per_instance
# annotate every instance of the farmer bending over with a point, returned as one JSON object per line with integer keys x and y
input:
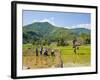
{"x": 45, "y": 52}
{"x": 52, "y": 53}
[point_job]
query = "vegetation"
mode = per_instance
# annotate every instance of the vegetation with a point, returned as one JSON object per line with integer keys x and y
{"x": 44, "y": 33}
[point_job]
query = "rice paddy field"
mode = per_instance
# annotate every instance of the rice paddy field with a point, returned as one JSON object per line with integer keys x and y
{"x": 64, "y": 57}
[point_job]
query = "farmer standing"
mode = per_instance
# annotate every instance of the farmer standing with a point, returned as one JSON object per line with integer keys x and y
{"x": 41, "y": 50}
{"x": 36, "y": 51}
{"x": 75, "y": 45}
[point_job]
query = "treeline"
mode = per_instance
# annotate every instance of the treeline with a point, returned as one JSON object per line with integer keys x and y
{"x": 82, "y": 38}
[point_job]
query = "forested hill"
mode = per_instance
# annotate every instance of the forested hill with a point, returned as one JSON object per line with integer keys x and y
{"x": 40, "y": 31}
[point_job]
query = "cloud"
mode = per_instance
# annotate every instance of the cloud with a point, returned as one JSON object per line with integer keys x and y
{"x": 86, "y": 26}
{"x": 50, "y": 20}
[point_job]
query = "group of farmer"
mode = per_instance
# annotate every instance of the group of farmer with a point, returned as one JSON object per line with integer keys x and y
{"x": 44, "y": 51}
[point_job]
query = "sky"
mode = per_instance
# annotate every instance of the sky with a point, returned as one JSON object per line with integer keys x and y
{"x": 60, "y": 19}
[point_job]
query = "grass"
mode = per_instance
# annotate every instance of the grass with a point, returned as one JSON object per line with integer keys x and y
{"x": 69, "y": 58}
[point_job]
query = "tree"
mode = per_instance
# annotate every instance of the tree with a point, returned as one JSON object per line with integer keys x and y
{"x": 87, "y": 41}
{"x": 85, "y": 38}
{"x": 61, "y": 42}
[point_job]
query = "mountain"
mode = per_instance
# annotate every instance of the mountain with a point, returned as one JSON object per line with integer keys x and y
{"x": 46, "y": 31}
{"x": 42, "y": 27}
{"x": 80, "y": 30}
